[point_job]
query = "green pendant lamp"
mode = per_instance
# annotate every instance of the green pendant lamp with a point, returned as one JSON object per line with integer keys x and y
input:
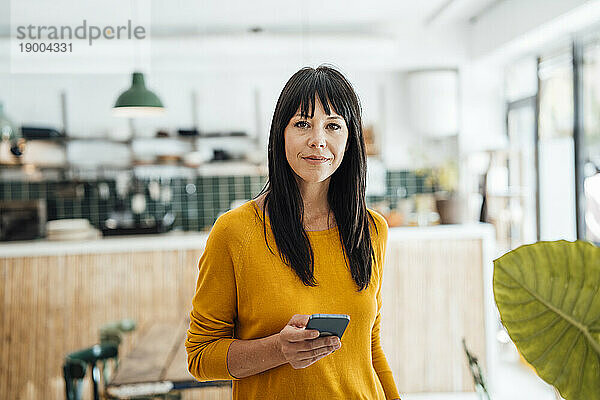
{"x": 138, "y": 101}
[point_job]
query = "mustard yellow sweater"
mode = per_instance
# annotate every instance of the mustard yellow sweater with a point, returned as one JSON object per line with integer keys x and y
{"x": 245, "y": 292}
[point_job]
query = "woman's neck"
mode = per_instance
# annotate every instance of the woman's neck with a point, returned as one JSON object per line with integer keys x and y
{"x": 317, "y": 215}
{"x": 314, "y": 197}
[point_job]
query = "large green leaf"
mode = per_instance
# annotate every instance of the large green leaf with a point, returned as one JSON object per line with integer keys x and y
{"x": 548, "y": 297}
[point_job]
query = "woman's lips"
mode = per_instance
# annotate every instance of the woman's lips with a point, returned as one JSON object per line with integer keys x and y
{"x": 315, "y": 161}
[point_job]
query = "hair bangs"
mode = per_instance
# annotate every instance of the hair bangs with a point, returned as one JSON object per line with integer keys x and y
{"x": 333, "y": 94}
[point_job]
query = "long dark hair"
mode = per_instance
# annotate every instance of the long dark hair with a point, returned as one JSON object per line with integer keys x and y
{"x": 346, "y": 195}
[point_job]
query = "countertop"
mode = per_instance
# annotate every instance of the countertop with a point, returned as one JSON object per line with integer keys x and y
{"x": 196, "y": 240}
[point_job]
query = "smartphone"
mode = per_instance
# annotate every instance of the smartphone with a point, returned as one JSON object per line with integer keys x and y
{"x": 329, "y": 324}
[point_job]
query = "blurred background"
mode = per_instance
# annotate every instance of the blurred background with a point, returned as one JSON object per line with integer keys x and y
{"x": 482, "y": 123}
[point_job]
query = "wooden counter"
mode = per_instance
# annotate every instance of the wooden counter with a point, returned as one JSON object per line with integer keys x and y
{"x": 55, "y": 296}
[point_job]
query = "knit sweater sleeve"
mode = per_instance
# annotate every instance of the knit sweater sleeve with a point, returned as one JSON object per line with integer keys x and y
{"x": 380, "y": 364}
{"x": 213, "y": 309}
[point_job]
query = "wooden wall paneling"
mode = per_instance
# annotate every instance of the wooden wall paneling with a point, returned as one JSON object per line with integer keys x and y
{"x": 16, "y": 272}
{"x": 15, "y": 364}
{"x": 169, "y": 290}
{"x": 216, "y": 393}
{"x": 12, "y": 273}
{"x": 42, "y": 313}
{"x": 55, "y": 298}
{"x": 187, "y": 284}
{"x": 55, "y": 305}
{"x": 26, "y": 336}
{"x": 163, "y": 296}
{"x": 432, "y": 297}
{"x": 51, "y": 306}
{"x": 17, "y": 380}
{"x": 7, "y": 329}
{"x": 4, "y": 323}
{"x": 149, "y": 295}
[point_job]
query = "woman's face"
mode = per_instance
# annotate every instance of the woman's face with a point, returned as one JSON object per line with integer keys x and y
{"x": 314, "y": 147}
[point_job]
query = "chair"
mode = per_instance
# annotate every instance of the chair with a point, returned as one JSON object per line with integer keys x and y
{"x": 113, "y": 330}
{"x": 112, "y": 333}
{"x": 76, "y": 366}
{"x": 74, "y": 372}
{"x": 99, "y": 357}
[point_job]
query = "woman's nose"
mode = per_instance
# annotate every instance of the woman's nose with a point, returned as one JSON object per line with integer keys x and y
{"x": 317, "y": 139}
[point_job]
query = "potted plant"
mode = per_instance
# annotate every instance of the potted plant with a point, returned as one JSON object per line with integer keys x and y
{"x": 450, "y": 205}
{"x": 548, "y": 297}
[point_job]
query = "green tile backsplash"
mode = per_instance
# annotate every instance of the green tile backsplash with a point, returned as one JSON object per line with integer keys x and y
{"x": 196, "y": 202}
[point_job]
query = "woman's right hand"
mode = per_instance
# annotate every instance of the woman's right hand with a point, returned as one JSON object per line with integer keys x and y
{"x": 302, "y": 347}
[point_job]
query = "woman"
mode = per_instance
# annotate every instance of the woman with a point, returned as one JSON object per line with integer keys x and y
{"x": 306, "y": 245}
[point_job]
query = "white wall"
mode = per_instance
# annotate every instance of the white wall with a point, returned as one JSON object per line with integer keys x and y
{"x": 225, "y": 102}
{"x": 524, "y": 25}
{"x": 482, "y": 107}
{"x": 226, "y": 70}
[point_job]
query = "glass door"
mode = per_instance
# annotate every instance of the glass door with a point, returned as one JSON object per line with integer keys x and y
{"x": 556, "y": 148}
{"x": 521, "y": 126}
{"x": 590, "y": 151}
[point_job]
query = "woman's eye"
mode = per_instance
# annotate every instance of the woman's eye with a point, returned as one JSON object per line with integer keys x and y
{"x": 301, "y": 124}
{"x": 333, "y": 126}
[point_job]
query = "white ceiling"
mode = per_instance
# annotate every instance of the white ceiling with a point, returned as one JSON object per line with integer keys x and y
{"x": 197, "y": 17}
{"x": 227, "y": 16}
{"x": 389, "y": 34}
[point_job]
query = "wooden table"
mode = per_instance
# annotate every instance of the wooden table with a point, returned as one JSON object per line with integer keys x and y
{"x": 157, "y": 364}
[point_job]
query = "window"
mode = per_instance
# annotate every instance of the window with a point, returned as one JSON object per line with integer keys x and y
{"x": 590, "y": 151}
{"x": 556, "y": 148}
